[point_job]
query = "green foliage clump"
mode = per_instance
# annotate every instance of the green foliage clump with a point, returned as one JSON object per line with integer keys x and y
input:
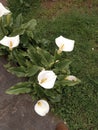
{"x": 31, "y": 57}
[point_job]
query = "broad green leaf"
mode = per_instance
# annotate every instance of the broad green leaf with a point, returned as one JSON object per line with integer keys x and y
{"x": 8, "y": 65}
{"x": 53, "y": 95}
{"x": 4, "y": 20}
{"x": 64, "y": 64}
{"x": 30, "y": 25}
{"x": 19, "y": 20}
{"x": 71, "y": 83}
{"x": 19, "y": 71}
{"x": 64, "y": 82}
{"x": 4, "y": 50}
{"x": 56, "y": 98}
{"x": 19, "y": 56}
{"x": 26, "y": 27}
{"x": 30, "y": 34}
{"x": 31, "y": 71}
{"x": 38, "y": 91}
{"x": 21, "y": 1}
{"x": 47, "y": 58}
{"x": 34, "y": 56}
{"x": 20, "y": 88}
{"x": 2, "y": 26}
{"x": 1, "y": 35}
{"x": 17, "y": 31}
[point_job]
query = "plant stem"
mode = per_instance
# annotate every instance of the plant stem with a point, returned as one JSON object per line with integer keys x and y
{"x": 2, "y": 27}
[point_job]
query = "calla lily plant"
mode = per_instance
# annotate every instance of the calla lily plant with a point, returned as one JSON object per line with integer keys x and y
{"x": 47, "y": 72}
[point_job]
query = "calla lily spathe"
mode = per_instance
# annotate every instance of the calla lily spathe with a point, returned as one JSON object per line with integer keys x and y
{"x": 41, "y": 107}
{"x": 64, "y": 44}
{"x": 3, "y": 10}
{"x": 71, "y": 78}
{"x": 46, "y": 79}
{"x": 10, "y": 42}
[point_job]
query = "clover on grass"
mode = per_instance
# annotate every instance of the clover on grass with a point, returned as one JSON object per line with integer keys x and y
{"x": 10, "y": 42}
{"x": 41, "y": 107}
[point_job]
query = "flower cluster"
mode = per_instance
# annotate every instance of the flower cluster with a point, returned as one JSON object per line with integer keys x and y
{"x": 46, "y": 75}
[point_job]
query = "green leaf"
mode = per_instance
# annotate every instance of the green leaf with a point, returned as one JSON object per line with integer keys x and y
{"x": 56, "y": 98}
{"x": 62, "y": 66}
{"x": 1, "y": 34}
{"x": 47, "y": 58}
{"x": 18, "y": 31}
{"x": 31, "y": 71}
{"x": 30, "y": 34}
{"x": 4, "y": 50}
{"x": 53, "y": 95}
{"x": 26, "y": 27}
{"x": 19, "y": 20}
{"x": 19, "y": 56}
{"x": 30, "y": 25}
{"x": 21, "y": 1}
{"x": 19, "y": 71}
{"x": 35, "y": 58}
{"x": 71, "y": 83}
{"x": 20, "y": 88}
{"x": 64, "y": 82}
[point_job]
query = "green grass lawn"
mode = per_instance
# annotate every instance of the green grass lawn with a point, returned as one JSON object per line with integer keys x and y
{"x": 77, "y": 20}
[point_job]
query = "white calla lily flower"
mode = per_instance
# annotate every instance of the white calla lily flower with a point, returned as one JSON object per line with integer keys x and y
{"x": 71, "y": 78}
{"x": 64, "y": 44}
{"x": 3, "y": 10}
{"x": 41, "y": 107}
{"x": 46, "y": 79}
{"x": 10, "y": 42}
